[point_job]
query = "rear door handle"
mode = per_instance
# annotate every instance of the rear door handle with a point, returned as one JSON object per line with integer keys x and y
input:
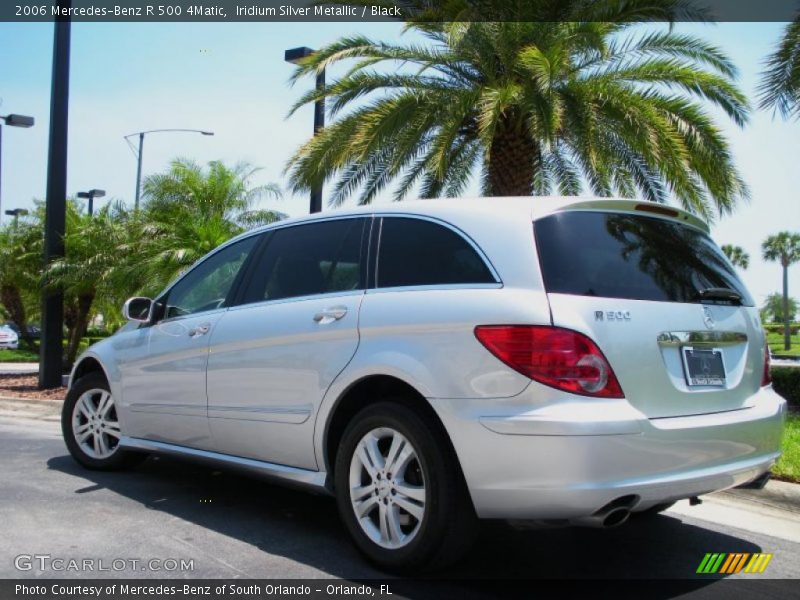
{"x": 199, "y": 330}
{"x": 329, "y": 315}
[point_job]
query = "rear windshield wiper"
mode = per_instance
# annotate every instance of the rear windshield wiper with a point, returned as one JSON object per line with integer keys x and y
{"x": 719, "y": 293}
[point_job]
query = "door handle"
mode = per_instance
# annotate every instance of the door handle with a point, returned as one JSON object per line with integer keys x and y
{"x": 199, "y": 330}
{"x": 329, "y": 315}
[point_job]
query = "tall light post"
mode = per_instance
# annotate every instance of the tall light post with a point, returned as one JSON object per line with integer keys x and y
{"x": 51, "y": 356}
{"x": 17, "y": 213}
{"x": 295, "y": 56}
{"x": 91, "y": 195}
{"x": 141, "y": 135}
{"x": 11, "y": 121}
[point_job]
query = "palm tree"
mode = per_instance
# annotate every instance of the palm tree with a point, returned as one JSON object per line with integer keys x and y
{"x": 101, "y": 259}
{"x": 534, "y": 107}
{"x": 737, "y": 255}
{"x": 20, "y": 257}
{"x": 772, "y": 310}
{"x": 784, "y": 248}
{"x": 190, "y": 210}
{"x": 780, "y": 84}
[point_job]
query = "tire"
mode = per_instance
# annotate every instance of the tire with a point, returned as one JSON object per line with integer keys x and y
{"x": 428, "y": 529}
{"x": 89, "y": 408}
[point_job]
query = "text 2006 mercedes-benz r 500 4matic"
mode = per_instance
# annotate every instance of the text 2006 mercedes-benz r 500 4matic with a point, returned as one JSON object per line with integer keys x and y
{"x": 432, "y": 363}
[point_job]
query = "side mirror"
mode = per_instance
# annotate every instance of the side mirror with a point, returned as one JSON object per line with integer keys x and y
{"x": 137, "y": 309}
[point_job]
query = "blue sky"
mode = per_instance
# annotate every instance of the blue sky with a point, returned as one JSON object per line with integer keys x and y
{"x": 230, "y": 78}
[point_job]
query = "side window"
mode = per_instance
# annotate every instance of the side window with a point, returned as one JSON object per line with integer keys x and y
{"x": 304, "y": 260}
{"x": 206, "y": 287}
{"x": 418, "y": 252}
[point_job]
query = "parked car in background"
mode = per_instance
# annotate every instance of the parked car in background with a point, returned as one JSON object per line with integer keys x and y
{"x": 8, "y": 338}
{"x": 33, "y": 331}
{"x": 428, "y": 363}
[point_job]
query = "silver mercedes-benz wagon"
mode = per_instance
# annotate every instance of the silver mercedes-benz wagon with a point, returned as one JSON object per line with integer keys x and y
{"x": 431, "y": 363}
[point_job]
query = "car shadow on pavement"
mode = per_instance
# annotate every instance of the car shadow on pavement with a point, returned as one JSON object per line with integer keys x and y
{"x": 306, "y": 528}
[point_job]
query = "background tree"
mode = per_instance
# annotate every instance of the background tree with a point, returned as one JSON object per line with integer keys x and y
{"x": 737, "y": 255}
{"x": 20, "y": 266}
{"x": 534, "y": 107}
{"x": 99, "y": 260}
{"x": 780, "y": 84}
{"x": 783, "y": 248}
{"x": 772, "y": 309}
{"x": 190, "y": 210}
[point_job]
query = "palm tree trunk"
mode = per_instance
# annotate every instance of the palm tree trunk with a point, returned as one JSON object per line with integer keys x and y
{"x": 510, "y": 167}
{"x": 11, "y": 298}
{"x": 787, "y": 338}
{"x": 79, "y": 327}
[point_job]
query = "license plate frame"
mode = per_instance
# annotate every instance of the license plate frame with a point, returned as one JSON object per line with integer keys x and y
{"x": 704, "y": 367}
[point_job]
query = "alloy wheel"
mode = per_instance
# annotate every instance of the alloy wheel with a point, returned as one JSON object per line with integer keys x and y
{"x": 95, "y": 424}
{"x": 387, "y": 488}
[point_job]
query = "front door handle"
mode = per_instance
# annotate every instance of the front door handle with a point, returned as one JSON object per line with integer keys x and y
{"x": 329, "y": 315}
{"x": 199, "y": 330}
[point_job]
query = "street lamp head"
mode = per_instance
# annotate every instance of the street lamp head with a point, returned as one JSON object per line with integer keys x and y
{"x": 17, "y": 212}
{"x": 18, "y": 121}
{"x": 92, "y": 194}
{"x": 295, "y": 55}
{"x": 207, "y": 132}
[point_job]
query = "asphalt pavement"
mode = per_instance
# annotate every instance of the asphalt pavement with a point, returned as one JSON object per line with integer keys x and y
{"x": 231, "y": 526}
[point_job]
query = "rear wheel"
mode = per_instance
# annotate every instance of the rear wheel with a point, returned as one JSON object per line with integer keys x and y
{"x": 90, "y": 424}
{"x": 400, "y": 491}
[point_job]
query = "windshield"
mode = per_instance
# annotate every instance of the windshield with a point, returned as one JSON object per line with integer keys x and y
{"x": 635, "y": 257}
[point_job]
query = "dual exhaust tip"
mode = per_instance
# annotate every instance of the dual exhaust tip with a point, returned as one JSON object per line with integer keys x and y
{"x": 613, "y": 514}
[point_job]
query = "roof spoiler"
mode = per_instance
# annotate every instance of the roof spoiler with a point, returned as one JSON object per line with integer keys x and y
{"x": 629, "y": 206}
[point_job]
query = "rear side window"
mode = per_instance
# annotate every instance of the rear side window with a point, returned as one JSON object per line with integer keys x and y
{"x": 634, "y": 257}
{"x": 303, "y": 260}
{"x": 418, "y": 252}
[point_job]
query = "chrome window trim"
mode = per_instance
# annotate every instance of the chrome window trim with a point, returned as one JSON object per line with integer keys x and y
{"x": 337, "y": 294}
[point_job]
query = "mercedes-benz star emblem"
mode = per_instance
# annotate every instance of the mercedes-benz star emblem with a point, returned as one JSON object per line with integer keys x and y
{"x": 708, "y": 318}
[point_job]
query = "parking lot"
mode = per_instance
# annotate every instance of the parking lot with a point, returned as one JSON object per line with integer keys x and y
{"x": 229, "y": 526}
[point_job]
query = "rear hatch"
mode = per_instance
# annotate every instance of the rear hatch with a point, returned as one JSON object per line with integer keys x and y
{"x": 660, "y": 299}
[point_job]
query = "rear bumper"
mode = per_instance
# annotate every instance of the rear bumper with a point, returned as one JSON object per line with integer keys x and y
{"x": 569, "y": 459}
{"x": 9, "y": 344}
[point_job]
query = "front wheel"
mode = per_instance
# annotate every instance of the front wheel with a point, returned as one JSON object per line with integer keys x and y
{"x": 90, "y": 425}
{"x": 400, "y": 491}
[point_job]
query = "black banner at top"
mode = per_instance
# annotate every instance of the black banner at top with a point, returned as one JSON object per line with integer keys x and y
{"x": 399, "y": 10}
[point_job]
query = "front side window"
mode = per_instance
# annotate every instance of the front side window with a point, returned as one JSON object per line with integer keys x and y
{"x": 304, "y": 260}
{"x": 418, "y": 252}
{"x": 208, "y": 285}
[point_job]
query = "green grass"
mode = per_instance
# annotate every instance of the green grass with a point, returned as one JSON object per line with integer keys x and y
{"x": 18, "y": 356}
{"x": 775, "y": 341}
{"x": 788, "y": 467}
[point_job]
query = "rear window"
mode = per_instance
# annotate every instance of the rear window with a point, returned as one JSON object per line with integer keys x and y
{"x": 614, "y": 255}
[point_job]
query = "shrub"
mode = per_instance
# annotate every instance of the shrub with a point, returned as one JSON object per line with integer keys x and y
{"x": 786, "y": 381}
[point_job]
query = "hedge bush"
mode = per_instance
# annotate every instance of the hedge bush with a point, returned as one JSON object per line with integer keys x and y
{"x": 786, "y": 381}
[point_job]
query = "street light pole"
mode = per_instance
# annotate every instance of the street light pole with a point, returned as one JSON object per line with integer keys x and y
{"x": 91, "y": 195}
{"x": 51, "y": 353}
{"x": 141, "y": 135}
{"x": 139, "y": 171}
{"x": 17, "y": 213}
{"x": 295, "y": 56}
{"x": 11, "y": 121}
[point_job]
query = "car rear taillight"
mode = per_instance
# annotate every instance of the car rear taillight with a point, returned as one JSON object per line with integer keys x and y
{"x": 766, "y": 377}
{"x": 561, "y": 358}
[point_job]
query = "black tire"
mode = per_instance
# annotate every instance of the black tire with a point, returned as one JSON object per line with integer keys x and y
{"x": 448, "y": 525}
{"x": 119, "y": 458}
